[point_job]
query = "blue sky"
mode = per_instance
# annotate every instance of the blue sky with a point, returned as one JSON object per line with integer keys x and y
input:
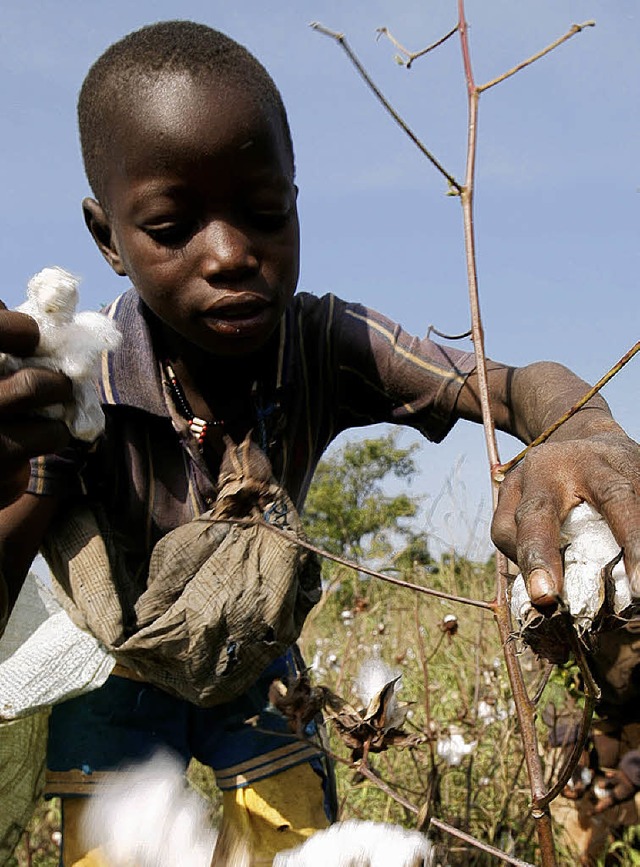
{"x": 557, "y": 197}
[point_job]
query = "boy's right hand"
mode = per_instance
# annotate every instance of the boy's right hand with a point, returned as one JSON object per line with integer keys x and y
{"x": 21, "y": 435}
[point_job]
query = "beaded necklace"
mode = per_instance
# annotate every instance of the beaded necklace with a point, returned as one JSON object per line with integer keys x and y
{"x": 198, "y": 427}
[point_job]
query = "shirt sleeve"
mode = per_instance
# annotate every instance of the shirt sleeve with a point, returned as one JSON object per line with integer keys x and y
{"x": 59, "y": 475}
{"x": 385, "y": 374}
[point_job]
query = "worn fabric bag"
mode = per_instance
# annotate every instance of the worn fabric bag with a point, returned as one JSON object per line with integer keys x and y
{"x": 223, "y": 599}
{"x": 23, "y": 749}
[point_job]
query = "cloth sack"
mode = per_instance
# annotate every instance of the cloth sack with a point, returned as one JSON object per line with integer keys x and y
{"x": 44, "y": 659}
{"x": 223, "y": 599}
{"x": 23, "y": 749}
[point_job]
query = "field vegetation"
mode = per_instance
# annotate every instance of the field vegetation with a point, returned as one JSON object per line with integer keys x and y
{"x": 459, "y": 757}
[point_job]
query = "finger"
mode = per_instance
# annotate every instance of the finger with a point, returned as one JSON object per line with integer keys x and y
{"x": 19, "y": 333}
{"x": 503, "y": 525}
{"x": 32, "y": 388}
{"x": 618, "y": 501}
{"x": 538, "y": 548}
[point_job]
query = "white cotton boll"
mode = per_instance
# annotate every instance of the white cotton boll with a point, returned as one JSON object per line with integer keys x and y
{"x": 590, "y": 546}
{"x": 453, "y": 748}
{"x": 89, "y": 335}
{"x": 360, "y": 844}
{"x": 148, "y": 817}
{"x": 486, "y": 713}
{"x": 71, "y": 343}
{"x": 52, "y": 296}
{"x": 374, "y": 675}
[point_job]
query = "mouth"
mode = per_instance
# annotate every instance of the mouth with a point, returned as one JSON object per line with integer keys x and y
{"x": 239, "y": 314}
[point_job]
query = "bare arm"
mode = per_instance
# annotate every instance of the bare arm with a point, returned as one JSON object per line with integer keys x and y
{"x": 23, "y": 525}
{"x": 22, "y": 435}
{"x": 590, "y": 458}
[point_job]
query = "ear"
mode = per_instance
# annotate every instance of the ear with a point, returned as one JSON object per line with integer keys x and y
{"x": 99, "y": 225}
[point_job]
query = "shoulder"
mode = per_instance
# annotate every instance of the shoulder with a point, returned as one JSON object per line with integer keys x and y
{"x": 330, "y": 311}
{"x": 130, "y": 375}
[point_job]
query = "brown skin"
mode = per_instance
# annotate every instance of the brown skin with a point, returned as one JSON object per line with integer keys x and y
{"x": 200, "y": 213}
{"x": 590, "y": 458}
{"x": 21, "y": 435}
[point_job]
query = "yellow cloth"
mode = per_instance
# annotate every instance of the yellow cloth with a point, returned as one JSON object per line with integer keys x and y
{"x": 279, "y": 812}
{"x": 276, "y": 813}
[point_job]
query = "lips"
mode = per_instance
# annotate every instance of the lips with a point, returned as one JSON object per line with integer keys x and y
{"x": 239, "y": 313}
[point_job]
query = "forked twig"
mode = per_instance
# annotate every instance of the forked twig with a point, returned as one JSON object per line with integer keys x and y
{"x": 576, "y": 28}
{"x": 341, "y": 40}
{"x": 414, "y": 55}
{"x": 524, "y": 707}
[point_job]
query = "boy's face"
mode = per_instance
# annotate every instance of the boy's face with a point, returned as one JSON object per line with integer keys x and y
{"x": 200, "y": 212}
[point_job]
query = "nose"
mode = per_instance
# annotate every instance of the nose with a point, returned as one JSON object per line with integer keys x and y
{"x": 227, "y": 252}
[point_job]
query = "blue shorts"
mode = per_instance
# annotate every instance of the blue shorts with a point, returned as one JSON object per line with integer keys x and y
{"x": 126, "y": 721}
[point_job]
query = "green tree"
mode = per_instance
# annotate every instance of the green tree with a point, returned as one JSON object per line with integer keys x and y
{"x": 348, "y": 512}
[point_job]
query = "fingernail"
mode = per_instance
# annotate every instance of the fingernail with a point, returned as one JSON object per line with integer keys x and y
{"x": 634, "y": 581}
{"x": 542, "y": 589}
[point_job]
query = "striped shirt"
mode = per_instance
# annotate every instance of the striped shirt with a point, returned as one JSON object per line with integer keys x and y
{"x": 330, "y": 366}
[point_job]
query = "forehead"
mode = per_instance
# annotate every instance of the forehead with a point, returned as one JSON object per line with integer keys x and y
{"x": 176, "y": 121}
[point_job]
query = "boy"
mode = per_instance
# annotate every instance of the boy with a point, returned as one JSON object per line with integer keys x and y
{"x": 188, "y": 152}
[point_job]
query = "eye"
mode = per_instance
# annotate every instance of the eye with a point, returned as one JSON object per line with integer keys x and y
{"x": 172, "y": 233}
{"x": 271, "y": 219}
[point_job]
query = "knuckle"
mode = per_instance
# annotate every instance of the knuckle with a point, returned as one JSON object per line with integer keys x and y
{"x": 616, "y": 490}
{"x": 536, "y": 507}
{"x": 501, "y": 531}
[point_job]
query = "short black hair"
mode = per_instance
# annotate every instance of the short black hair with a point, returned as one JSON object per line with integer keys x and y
{"x": 167, "y": 46}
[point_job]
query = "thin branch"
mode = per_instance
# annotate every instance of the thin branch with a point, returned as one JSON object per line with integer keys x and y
{"x": 350, "y": 564}
{"x": 484, "y": 847}
{"x": 424, "y": 663}
{"x": 414, "y": 55}
{"x": 341, "y": 40}
{"x": 500, "y": 470}
{"x": 591, "y": 694}
{"x": 576, "y": 28}
{"x": 542, "y": 685}
{"x": 466, "y": 199}
{"x": 433, "y": 330}
{"x": 366, "y": 771}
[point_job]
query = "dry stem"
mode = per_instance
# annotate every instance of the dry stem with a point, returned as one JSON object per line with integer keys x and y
{"x": 350, "y": 564}
{"x": 414, "y": 55}
{"x": 341, "y": 40}
{"x": 478, "y": 844}
{"x": 576, "y": 28}
{"x": 524, "y": 708}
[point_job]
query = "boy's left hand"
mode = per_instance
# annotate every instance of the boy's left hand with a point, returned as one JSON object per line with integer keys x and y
{"x": 602, "y": 469}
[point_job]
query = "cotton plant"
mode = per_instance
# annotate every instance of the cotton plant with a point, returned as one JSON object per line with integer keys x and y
{"x": 453, "y": 748}
{"x": 377, "y": 723}
{"x": 70, "y": 342}
{"x": 376, "y": 683}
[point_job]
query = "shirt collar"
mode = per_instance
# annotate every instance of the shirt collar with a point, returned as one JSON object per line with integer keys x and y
{"x": 130, "y": 376}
